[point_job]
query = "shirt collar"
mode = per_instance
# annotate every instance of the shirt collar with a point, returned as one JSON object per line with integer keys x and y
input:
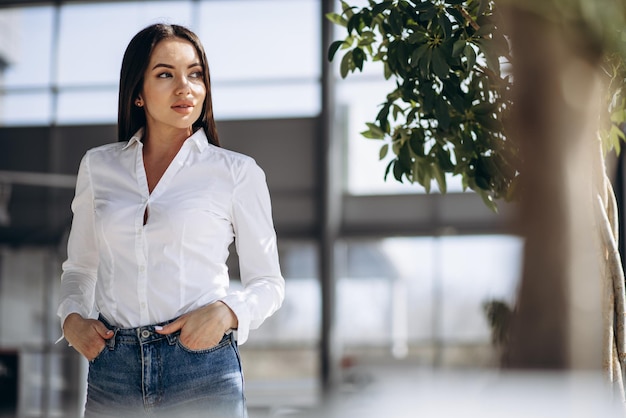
{"x": 134, "y": 139}
{"x": 198, "y": 138}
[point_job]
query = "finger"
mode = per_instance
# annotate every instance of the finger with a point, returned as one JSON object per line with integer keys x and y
{"x": 103, "y": 331}
{"x": 171, "y": 327}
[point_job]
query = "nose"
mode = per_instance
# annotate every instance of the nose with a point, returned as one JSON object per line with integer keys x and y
{"x": 183, "y": 86}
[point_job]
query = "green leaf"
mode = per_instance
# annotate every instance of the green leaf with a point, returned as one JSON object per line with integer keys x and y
{"x": 428, "y": 15}
{"x": 347, "y": 64}
{"x": 354, "y": 23}
{"x": 492, "y": 59}
{"x": 426, "y": 176}
{"x": 442, "y": 113}
{"x": 337, "y": 19}
{"x": 424, "y": 63}
{"x": 383, "y": 151}
{"x": 440, "y": 177}
{"x": 618, "y": 116}
{"x": 443, "y": 158}
{"x": 428, "y": 98}
{"x": 458, "y": 47}
{"x": 386, "y": 70}
{"x": 397, "y": 170}
{"x": 458, "y": 16}
{"x": 445, "y": 24}
{"x": 373, "y": 131}
{"x": 346, "y": 8}
{"x": 481, "y": 182}
{"x": 417, "y": 37}
{"x": 416, "y": 142}
{"x": 397, "y": 110}
{"x": 615, "y": 135}
{"x": 470, "y": 54}
{"x": 380, "y": 7}
{"x": 383, "y": 117}
{"x": 332, "y": 49}
{"x": 358, "y": 56}
{"x": 488, "y": 200}
{"x": 440, "y": 66}
{"x": 417, "y": 54}
{"x": 395, "y": 22}
{"x": 388, "y": 168}
{"x": 411, "y": 116}
{"x": 484, "y": 5}
{"x": 486, "y": 29}
{"x": 422, "y": 6}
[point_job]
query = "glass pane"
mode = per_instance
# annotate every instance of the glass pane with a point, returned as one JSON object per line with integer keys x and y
{"x": 87, "y": 106}
{"x": 385, "y": 291}
{"x": 298, "y": 320}
{"x": 261, "y": 39}
{"x": 91, "y": 49}
{"x": 31, "y": 108}
{"x": 250, "y": 101}
{"x": 281, "y": 359}
{"x": 359, "y": 100}
{"x": 475, "y": 270}
{"x": 28, "y": 50}
{"x": 423, "y": 297}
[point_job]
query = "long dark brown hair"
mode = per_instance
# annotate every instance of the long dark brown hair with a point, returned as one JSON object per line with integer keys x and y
{"x": 136, "y": 59}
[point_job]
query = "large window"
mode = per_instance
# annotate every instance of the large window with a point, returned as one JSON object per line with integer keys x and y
{"x": 264, "y": 58}
{"x": 424, "y": 296}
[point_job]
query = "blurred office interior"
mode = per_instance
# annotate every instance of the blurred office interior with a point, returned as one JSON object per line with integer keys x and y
{"x": 379, "y": 275}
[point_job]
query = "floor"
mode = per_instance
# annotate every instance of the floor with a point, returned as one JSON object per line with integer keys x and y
{"x": 401, "y": 391}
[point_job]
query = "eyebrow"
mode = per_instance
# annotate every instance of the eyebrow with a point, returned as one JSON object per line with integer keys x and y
{"x": 162, "y": 65}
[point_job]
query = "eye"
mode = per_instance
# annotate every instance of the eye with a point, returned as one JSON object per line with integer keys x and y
{"x": 164, "y": 75}
{"x": 196, "y": 74}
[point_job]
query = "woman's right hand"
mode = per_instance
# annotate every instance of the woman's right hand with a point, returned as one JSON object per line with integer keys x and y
{"x": 87, "y": 336}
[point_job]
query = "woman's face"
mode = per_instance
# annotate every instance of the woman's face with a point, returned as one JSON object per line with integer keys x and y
{"x": 173, "y": 90}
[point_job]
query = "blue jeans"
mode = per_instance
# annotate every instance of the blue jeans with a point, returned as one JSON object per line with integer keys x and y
{"x": 144, "y": 374}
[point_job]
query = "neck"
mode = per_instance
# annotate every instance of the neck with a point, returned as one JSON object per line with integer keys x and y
{"x": 163, "y": 142}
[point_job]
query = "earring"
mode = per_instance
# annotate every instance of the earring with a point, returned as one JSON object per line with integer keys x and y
{"x": 138, "y": 103}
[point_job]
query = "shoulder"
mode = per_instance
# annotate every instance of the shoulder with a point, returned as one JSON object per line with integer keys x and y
{"x": 242, "y": 167}
{"x": 229, "y": 156}
{"x": 234, "y": 161}
{"x": 105, "y": 152}
{"x": 106, "y": 149}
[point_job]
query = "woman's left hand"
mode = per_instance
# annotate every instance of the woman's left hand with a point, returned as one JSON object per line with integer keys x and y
{"x": 203, "y": 328}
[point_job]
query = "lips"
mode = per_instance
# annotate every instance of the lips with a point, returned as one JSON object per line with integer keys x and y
{"x": 183, "y": 106}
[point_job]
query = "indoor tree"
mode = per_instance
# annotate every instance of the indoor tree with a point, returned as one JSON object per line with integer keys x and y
{"x": 526, "y": 113}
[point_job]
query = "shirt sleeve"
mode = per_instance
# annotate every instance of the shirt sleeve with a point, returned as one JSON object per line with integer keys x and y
{"x": 255, "y": 240}
{"x": 78, "y": 279}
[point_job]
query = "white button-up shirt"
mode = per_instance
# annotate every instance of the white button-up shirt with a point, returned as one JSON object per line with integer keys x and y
{"x": 137, "y": 274}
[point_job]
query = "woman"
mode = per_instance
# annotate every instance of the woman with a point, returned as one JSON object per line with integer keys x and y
{"x": 154, "y": 215}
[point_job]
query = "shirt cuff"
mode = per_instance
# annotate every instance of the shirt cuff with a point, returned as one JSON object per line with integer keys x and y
{"x": 66, "y": 308}
{"x": 238, "y": 305}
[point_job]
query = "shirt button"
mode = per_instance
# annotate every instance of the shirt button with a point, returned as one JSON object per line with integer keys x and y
{"x": 145, "y": 333}
{"x": 142, "y": 268}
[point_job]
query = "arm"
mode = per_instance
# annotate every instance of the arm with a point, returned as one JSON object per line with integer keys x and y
{"x": 255, "y": 240}
{"x": 78, "y": 280}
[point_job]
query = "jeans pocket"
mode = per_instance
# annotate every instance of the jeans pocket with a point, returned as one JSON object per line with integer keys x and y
{"x": 100, "y": 354}
{"x": 223, "y": 343}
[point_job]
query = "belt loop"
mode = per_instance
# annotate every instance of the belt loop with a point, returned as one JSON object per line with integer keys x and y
{"x": 111, "y": 341}
{"x": 171, "y": 338}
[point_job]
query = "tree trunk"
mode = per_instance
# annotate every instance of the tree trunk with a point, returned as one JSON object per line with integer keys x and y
{"x": 557, "y": 96}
